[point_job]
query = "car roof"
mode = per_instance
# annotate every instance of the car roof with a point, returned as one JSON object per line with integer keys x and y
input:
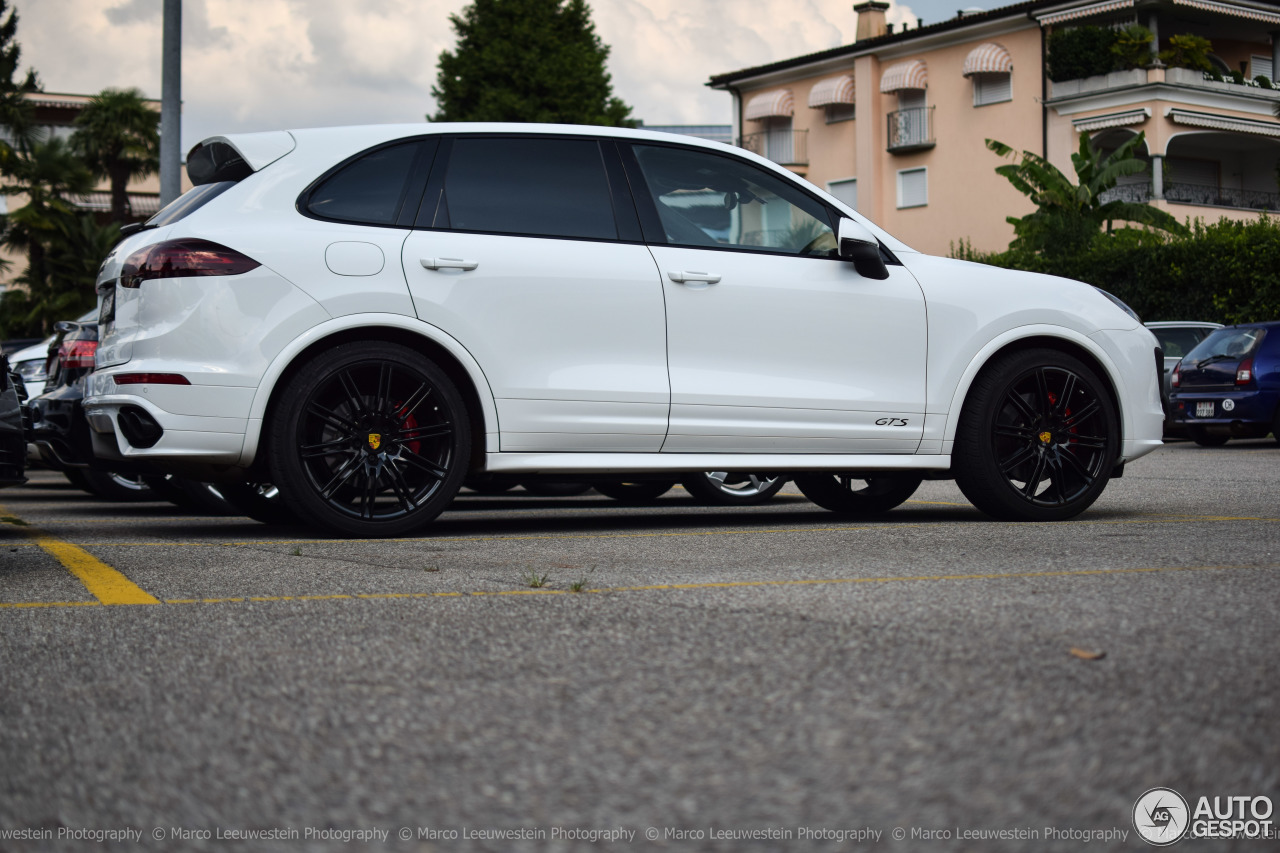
{"x": 1182, "y": 324}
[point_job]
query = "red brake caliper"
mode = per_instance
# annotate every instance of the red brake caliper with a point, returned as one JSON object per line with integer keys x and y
{"x": 410, "y": 425}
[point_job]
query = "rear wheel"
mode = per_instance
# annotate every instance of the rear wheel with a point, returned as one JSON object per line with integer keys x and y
{"x": 369, "y": 439}
{"x": 1037, "y": 439}
{"x": 725, "y": 488}
{"x": 849, "y": 494}
{"x": 115, "y": 486}
{"x": 641, "y": 492}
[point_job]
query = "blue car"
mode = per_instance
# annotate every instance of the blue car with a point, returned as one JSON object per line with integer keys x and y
{"x": 1228, "y": 386}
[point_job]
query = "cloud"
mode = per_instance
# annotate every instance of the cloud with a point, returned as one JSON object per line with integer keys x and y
{"x": 267, "y": 64}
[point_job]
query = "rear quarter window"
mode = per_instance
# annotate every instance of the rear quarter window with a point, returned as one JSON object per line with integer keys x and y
{"x": 367, "y": 191}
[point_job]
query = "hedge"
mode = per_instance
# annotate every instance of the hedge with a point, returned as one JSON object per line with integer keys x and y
{"x": 1227, "y": 272}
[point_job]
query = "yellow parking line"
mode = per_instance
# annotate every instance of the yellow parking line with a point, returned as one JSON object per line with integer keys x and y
{"x": 374, "y": 596}
{"x": 103, "y": 582}
{"x": 853, "y": 527}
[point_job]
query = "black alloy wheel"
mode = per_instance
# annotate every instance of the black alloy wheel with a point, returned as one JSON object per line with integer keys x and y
{"x": 369, "y": 439}
{"x": 854, "y": 494}
{"x": 1037, "y": 439}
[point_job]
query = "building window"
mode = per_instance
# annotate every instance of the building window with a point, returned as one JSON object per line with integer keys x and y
{"x": 839, "y": 112}
{"x": 991, "y": 88}
{"x": 1260, "y": 66}
{"x": 845, "y": 191}
{"x": 913, "y": 187}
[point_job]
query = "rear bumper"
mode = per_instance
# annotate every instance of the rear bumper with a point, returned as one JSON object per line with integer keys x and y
{"x": 1250, "y": 412}
{"x": 189, "y": 433}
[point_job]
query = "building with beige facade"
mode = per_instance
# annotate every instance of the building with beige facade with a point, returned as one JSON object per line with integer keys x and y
{"x": 895, "y": 124}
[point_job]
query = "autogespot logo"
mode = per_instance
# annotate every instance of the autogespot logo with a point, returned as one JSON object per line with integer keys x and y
{"x": 1161, "y": 817}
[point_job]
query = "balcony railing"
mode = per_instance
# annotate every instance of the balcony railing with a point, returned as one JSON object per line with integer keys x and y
{"x": 1222, "y": 197}
{"x": 1204, "y": 194}
{"x": 787, "y": 147}
{"x": 911, "y": 130}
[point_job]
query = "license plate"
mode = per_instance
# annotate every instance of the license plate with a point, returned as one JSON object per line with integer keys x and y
{"x": 1204, "y": 410}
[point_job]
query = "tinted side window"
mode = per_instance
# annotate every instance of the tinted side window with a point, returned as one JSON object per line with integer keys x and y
{"x": 710, "y": 200}
{"x": 528, "y": 185}
{"x": 369, "y": 190}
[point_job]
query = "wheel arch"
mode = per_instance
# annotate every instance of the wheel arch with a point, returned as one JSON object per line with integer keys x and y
{"x": 453, "y": 358}
{"x": 1063, "y": 340}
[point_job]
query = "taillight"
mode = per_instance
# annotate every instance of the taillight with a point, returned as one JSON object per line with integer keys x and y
{"x": 76, "y": 354}
{"x": 1176, "y": 379}
{"x": 150, "y": 379}
{"x": 1244, "y": 373}
{"x": 183, "y": 258}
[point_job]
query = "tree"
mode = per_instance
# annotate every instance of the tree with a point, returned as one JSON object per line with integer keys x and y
{"x": 47, "y": 174}
{"x": 118, "y": 136}
{"x": 1069, "y": 216}
{"x": 528, "y": 61}
{"x": 15, "y": 110}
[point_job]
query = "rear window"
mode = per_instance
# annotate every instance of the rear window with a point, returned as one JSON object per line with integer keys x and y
{"x": 188, "y": 203}
{"x": 1178, "y": 342}
{"x": 1227, "y": 344}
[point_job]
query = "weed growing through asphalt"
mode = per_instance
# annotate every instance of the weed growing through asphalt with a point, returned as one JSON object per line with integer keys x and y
{"x": 431, "y": 568}
{"x": 297, "y": 552}
{"x": 535, "y": 580}
{"x": 580, "y": 584}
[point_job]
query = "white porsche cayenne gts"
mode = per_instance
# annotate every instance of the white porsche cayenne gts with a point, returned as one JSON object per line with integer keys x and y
{"x": 364, "y": 316}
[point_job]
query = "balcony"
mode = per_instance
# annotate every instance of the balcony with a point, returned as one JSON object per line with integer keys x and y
{"x": 785, "y": 147}
{"x": 911, "y": 130}
{"x": 1198, "y": 194}
{"x": 1134, "y": 78}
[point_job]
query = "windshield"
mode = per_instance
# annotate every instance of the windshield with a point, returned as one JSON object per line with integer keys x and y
{"x": 1226, "y": 344}
{"x": 1176, "y": 342}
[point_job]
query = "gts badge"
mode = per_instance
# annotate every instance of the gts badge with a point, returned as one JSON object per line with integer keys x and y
{"x": 893, "y": 422}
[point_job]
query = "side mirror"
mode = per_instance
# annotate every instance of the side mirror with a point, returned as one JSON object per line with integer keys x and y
{"x": 859, "y": 245}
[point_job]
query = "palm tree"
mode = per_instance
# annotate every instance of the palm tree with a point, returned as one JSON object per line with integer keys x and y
{"x": 118, "y": 136}
{"x": 1070, "y": 215}
{"x": 47, "y": 174}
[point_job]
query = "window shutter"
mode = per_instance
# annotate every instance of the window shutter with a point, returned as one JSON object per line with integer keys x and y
{"x": 913, "y": 188}
{"x": 992, "y": 88}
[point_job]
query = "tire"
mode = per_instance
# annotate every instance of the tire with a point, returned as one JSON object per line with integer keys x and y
{"x": 1038, "y": 437}
{"x": 723, "y": 488}
{"x": 1204, "y": 438}
{"x": 851, "y": 495}
{"x": 259, "y": 501}
{"x": 369, "y": 439}
{"x": 551, "y": 489}
{"x": 635, "y": 494}
{"x": 483, "y": 486}
{"x": 114, "y": 486}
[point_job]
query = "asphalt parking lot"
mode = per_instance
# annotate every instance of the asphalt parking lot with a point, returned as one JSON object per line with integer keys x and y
{"x": 684, "y": 677}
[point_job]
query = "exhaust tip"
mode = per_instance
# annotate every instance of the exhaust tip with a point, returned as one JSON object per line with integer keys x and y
{"x": 138, "y": 427}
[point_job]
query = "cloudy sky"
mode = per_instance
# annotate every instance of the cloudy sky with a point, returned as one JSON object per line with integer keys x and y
{"x": 267, "y": 64}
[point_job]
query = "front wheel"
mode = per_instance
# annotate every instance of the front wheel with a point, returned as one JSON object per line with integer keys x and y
{"x": 849, "y": 494}
{"x": 369, "y": 439}
{"x": 1037, "y": 438}
{"x": 724, "y": 488}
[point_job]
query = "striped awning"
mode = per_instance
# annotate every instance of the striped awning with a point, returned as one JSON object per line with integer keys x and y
{"x": 1086, "y": 11}
{"x": 1247, "y": 12}
{"x": 833, "y": 90}
{"x": 1219, "y": 122}
{"x": 777, "y": 102}
{"x": 905, "y": 75}
{"x": 1102, "y": 122}
{"x": 989, "y": 58}
{"x": 140, "y": 204}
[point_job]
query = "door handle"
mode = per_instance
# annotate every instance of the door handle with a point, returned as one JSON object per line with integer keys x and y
{"x": 685, "y": 277}
{"x": 449, "y": 264}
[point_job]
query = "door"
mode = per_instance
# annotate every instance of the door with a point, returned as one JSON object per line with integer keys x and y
{"x": 773, "y": 344}
{"x": 522, "y": 255}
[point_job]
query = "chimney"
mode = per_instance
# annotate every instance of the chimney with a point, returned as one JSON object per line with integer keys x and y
{"x": 871, "y": 21}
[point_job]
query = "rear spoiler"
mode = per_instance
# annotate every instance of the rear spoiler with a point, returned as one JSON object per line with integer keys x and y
{"x": 234, "y": 158}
